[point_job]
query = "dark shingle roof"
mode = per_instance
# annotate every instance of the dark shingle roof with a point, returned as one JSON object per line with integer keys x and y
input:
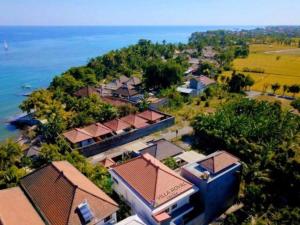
{"x": 162, "y": 149}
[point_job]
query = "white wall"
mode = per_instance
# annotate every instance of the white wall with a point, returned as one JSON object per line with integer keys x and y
{"x": 138, "y": 206}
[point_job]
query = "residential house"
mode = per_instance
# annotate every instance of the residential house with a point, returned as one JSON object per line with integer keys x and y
{"x": 64, "y": 196}
{"x": 125, "y": 91}
{"x": 196, "y": 85}
{"x": 155, "y": 193}
{"x": 118, "y": 126}
{"x": 162, "y": 149}
{"x": 98, "y": 131}
{"x": 79, "y": 137}
{"x": 134, "y": 81}
{"x": 151, "y": 116}
{"x": 117, "y": 83}
{"x": 135, "y": 121}
{"x": 217, "y": 177}
{"x": 86, "y": 92}
{"x": 16, "y": 209}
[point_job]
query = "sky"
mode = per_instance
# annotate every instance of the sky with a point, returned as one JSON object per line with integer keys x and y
{"x": 150, "y": 12}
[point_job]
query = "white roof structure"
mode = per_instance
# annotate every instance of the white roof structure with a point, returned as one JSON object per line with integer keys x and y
{"x": 190, "y": 156}
{"x": 184, "y": 90}
{"x": 132, "y": 220}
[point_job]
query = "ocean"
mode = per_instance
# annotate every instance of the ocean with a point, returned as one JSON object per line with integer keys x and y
{"x": 36, "y": 54}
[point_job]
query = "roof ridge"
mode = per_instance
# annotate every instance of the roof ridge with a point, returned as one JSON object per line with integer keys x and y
{"x": 155, "y": 190}
{"x": 82, "y": 130}
{"x": 62, "y": 173}
{"x": 171, "y": 172}
{"x": 69, "y": 214}
{"x": 113, "y": 203}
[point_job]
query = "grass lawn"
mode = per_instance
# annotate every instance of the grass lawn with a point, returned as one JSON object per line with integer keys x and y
{"x": 280, "y": 64}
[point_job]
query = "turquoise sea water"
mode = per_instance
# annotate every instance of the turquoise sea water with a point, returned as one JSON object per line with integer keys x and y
{"x": 37, "y": 54}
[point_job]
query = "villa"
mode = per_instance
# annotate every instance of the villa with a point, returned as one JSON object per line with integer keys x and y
{"x": 155, "y": 193}
{"x": 196, "y": 85}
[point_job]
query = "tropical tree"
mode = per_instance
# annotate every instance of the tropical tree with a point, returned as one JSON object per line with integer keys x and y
{"x": 265, "y": 138}
{"x": 275, "y": 87}
{"x": 284, "y": 89}
{"x": 294, "y": 89}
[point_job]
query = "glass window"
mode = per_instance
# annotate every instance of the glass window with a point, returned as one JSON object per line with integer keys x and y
{"x": 107, "y": 219}
{"x": 174, "y": 206}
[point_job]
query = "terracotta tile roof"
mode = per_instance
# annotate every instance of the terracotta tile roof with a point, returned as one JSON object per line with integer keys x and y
{"x": 114, "y": 101}
{"x": 205, "y": 80}
{"x": 150, "y": 115}
{"x": 135, "y": 121}
{"x": 152, "y": 180}
{"x": 126, "y": 90}
{"x": 77, "y": 135}
{"x": 16, "y": 209}
{"x": 117, "y": 125}
{"x": 86, "y": 92}
{"x": 161, "y": 217}
{"x": 218, "y": 161}
{"x": 97, "y": 130}
{"x": 162, "y": 149}
{"x": 58, "y": 188}
{"x": 107, "y": 162}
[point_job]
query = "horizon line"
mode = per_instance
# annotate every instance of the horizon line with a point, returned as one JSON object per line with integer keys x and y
{"x": 148, "y": 25}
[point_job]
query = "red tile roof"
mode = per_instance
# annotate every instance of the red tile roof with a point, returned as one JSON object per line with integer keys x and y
{"x": 152, "y": 180}
{"x": 97, "y": 130}
{"x": 218, "y": 161}
{"x": 77, "y": 135}
{"x": 107, "y": 162}
{"x": 117, "y": 125}
{"x": 58, "y": 188}
{"x": 115, "y": 101}
{"x": 135, "y": 121}
{"x": 16, "y": 209}
{"x": 150, "y": 115}
{"x": 161, "y": 217}
{"x": 205, "y": 80}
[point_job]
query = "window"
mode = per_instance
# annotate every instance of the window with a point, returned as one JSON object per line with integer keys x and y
{"x": 107, "y": 219}
{"x": 167, "y": 210}
{"x": 115, "y": 180}
{"x": 174, "y": 206}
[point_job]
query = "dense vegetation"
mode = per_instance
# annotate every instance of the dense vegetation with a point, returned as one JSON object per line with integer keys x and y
{"x": 264, "y": 136}
{"x": 267, "y": 140}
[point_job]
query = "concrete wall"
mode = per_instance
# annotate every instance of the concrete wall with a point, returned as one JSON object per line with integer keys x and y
{"x": 124, "y": 138}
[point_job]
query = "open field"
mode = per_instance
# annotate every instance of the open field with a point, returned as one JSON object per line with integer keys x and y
{"x": 280, "y": 64}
